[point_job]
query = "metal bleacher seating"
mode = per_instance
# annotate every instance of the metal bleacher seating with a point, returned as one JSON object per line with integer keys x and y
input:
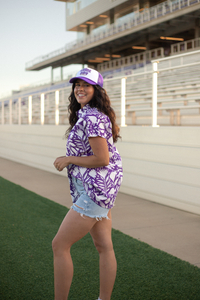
{"x": 178, "y": 98}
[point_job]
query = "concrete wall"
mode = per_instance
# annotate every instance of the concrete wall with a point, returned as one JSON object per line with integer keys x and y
{"x": 160, "y": 164}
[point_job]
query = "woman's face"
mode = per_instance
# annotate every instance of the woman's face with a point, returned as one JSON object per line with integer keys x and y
{"x": 83, "y": 92}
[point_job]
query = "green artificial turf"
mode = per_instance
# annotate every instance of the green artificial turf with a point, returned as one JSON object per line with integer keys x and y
{"x": 28, "y": 223}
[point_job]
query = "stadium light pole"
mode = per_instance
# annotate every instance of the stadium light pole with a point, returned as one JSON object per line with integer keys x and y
{"x": 123, "y": 102}
{"x": 154, "y": 94}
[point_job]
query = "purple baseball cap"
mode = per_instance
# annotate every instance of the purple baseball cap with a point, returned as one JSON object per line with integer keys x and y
{"x": 89, "y": 75}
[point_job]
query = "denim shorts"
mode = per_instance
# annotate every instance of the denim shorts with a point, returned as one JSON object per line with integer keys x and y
{"x": 85, "y": 206}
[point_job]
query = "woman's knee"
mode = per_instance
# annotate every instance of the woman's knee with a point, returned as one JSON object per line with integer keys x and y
{"x": 103, "y": 246}
{"x": 55, "y": 245}
{"x": 58, "y": 246}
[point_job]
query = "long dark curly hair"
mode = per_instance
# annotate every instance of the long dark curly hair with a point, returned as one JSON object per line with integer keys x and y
{"x": 101, "y": 101}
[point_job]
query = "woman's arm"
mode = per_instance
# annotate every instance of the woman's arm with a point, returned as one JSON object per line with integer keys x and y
{"x": 100, "y": 158}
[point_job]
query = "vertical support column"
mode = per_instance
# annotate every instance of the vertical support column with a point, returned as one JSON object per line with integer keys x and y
{"x": 196, "y": 32}
{"x": 2, "y": 112}
{"x": 61, "y": 73}
{"x": 88, "y": 29}
{"x": 112, "y": 16}
{"x": 178, "y": 117}
{"x": 30, "y": 110}
{"x": 57, "y": 107}
{"x": 51, "y": 74}
{"x": 147, "y": 42}
{"x": 154, "y": 94}
{"x": 19, "y": 111}
{"x": 42, "y": 109}
{"x": 156, "y": 12}
{"x": 10, "y": 111}
{"x": 123, "y": 102}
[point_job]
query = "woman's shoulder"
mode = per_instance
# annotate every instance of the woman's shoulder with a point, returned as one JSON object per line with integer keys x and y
{"x": 94, "y": 112}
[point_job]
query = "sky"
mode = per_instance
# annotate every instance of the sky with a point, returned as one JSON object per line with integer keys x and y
{"x": 29, "y": 29}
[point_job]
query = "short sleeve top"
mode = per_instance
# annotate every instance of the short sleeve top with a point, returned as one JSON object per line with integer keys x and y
{"x": 102, "y": 183}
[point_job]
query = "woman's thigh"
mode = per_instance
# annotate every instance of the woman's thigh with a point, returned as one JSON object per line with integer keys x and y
{"x": 72, "y": 229}
{"x": 101, "y": 233}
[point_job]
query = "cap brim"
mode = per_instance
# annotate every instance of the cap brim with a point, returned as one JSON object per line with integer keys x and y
{"x": 72, "y": 80}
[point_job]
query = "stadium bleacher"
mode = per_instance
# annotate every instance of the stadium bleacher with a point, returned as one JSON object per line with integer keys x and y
{"x": 178, "y": 100}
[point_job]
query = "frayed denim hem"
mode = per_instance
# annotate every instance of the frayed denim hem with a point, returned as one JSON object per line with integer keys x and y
{"x": 85, "y": 206}
{"x": 83, "y": 213}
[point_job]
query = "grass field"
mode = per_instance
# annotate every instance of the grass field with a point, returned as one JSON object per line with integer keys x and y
{"x": 28, "y": 224}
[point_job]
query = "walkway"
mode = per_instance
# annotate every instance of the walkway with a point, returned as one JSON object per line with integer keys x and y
{"x": 171, "y": 230}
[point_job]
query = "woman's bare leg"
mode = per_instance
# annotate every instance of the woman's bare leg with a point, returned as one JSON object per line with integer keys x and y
{"x": 101, "y": 234}
{"x": 72, "y": 229}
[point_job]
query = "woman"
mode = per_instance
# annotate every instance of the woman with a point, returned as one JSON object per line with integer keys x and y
{"x": 95, "y": 174}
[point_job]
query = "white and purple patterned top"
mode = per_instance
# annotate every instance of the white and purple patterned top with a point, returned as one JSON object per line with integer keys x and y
{"x": 102, "y": 183}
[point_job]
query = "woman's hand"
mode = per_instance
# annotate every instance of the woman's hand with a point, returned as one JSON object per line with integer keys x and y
{"x": 61, "y": 162}
{"x": 100, "y": 157}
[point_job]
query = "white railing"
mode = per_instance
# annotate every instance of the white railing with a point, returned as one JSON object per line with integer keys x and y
{"x": 185, "y": 46}
{"x": 147, "y": 15}
{"x": 50, "y": 106}
{"x": 128, "y": 64}
{"x": 74, "y": 7}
